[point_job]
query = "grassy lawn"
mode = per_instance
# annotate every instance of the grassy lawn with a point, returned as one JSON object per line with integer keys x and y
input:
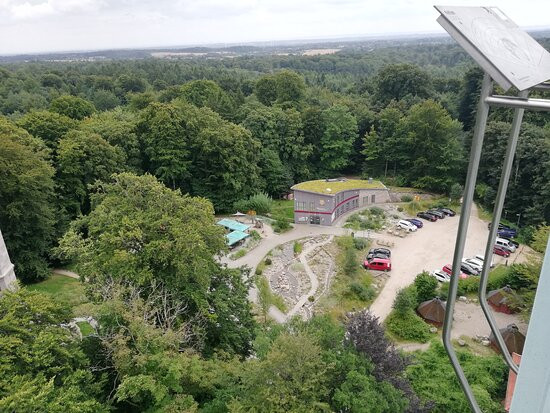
{"x": 483, "y": 213}
{"x": 283, "y": 209}
{"x": 85, "y": 328}
{"x": 64, "y": 289}
{"x": 414, "y": 207}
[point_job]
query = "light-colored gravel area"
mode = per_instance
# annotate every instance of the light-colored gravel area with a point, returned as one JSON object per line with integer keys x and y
{"x": 469, "y": 320}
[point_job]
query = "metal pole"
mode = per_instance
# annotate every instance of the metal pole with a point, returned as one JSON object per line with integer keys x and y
{"x": 473, "y": 166}
{"x": 518, "y": 102}
{"x": 497, "y": 212}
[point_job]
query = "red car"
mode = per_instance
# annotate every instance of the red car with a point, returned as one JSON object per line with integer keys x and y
{"x": 501, "y": 251}
{"x": 378, "y": 264}
{"x": 447, "y": 269}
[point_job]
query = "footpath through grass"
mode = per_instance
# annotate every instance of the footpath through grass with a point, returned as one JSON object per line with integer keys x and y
{"x": 63, "y": 289}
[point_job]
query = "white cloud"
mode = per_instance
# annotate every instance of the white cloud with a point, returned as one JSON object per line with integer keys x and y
{"x": 36, "y": 10}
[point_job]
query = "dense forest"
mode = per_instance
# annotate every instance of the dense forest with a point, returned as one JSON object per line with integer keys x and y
{"x": 118, "y": 167}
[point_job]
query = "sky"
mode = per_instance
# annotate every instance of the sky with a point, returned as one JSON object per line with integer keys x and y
{"x": 33, "y": 26}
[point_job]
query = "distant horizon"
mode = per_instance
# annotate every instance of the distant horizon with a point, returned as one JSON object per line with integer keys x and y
{"x": 264, "y": 43}
{"x": 65, "y": 26}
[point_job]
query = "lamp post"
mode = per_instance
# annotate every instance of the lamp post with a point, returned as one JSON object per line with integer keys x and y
{"x": 519, "y": 217}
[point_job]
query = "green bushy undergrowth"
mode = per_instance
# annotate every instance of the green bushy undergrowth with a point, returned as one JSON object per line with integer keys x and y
{"x": 408, "y": 326}
{"x": 261, "y": 203}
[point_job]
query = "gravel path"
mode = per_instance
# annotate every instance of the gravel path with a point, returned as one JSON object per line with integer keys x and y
{"x": 312, "y": 277}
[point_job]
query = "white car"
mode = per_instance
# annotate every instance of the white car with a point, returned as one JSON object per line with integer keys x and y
{"x": 409, "y": 226}
{"x": 481, "y": 258}
{"x": 504, "y": 243}
{"x": 475, "y": 264}
{"x": 441, "y": 276}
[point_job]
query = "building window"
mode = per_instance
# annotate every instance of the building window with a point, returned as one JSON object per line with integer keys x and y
{"x": 321, "y": 202}
{"x": 373, "y": 198}
{"x": 311, "y": 206}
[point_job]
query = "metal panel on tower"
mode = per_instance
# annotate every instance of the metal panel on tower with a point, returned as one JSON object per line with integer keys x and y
{"x": 498, "y": 45}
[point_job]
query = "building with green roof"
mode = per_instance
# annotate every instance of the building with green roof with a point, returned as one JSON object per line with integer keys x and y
{"x": 323, "y": 201}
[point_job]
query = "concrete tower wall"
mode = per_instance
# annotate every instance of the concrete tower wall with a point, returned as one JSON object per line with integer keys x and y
{"x": 7, "y": 274}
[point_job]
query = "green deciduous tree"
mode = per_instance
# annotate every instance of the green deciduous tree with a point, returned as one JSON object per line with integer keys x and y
{"x": 434, "y": 154}
{"x": 46, "y": 125}
{"x": 291, "y": 378}
{"x": 208, "y": 93}
{"x": 162, "y": 131}
{"x": 426, "y": 286}
{"x": 26, "y": 201}
{"x": 396, "y": 81}
{"x": 83, "y": 158}
{"x": 285, "y": 88}
{"x": 338, "y": 138}
{"x": 117, "y": 127}
{"x": 43, "y": 367}
{"x": 142, "y": 233}
{"x": 73, "y": 107}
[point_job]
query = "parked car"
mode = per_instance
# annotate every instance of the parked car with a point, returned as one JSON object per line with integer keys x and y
{"x": 447, "y": 211}
{"x": 373, "y": 255}
{"x": 384, "y": 251}
{"x": 511, "y": 241}
{"x": 468, "y": 269}
{"x": 416, "y": 222}
{"x": 482, "y": 259}
{"x": 505, "y": 231}
{"x": 378, "y": 264}
{"x": 501, "y": 251}
{"x": 441, "y": 276}
{"x": 447, "y": 269}
{"x": 474, "y": 263}
{"x": 426, "y": 216}
{"x": 504, "y": 243}
{"x": 437, "y": 213}
{"x": 406, "y": 225}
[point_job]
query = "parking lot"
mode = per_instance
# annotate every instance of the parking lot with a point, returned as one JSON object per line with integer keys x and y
{"x": 428, "y": 248}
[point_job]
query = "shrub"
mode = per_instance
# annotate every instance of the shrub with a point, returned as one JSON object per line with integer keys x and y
{"x": 426, "y": 287}
{"x": 540, "y": 238}
{"x": 433, "y": 378}
{"x": 408, "y": 326}
{"x": 239, "y": 254}
{"x": 298, "y": 247}
{"x": 261, "y": 203}
{"x": 255, "y": 235}
{"x": 267, "y": 261}
{"x": 280, "y": 225}
{"x": 455, "y": 193}
{"x": 362, "y": 291}
{"x": 406, "y": 198}
{"x": 360, "y": 243}
{"x": 311, "y": 298}
{"x": 259, "y": 271}
{"x": 350, "y": 260}
{"x": 377, "y": 211}
{"x": 400, "y": 209}
{"x": 405, "y": 300}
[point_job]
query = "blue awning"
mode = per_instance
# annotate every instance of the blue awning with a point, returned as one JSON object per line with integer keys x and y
{"x": 233, "y": 225}
{"x": 235, "y": 236}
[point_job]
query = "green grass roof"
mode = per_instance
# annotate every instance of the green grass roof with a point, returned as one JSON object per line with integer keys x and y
{"x": 320, "y": 186}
